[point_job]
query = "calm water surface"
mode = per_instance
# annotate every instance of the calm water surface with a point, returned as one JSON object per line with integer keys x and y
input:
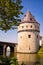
{"x": 30, "y": 59}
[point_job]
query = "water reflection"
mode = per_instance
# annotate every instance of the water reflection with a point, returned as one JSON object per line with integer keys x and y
{"x": 8, "y": 51}
{"x": 29, "y": 59}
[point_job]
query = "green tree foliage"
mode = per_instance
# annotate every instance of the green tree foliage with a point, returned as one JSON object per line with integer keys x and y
{"x": 9, "y": 61}
{"x": 14, "y": 61}
{"x": 4, "y": 61}
{"x": 10, "y": 11}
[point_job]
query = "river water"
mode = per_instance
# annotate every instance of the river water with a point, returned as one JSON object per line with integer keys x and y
{"x": 30, "y": 59}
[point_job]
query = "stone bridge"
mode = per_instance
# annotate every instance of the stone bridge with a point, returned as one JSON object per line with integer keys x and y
{"x": 5, "y": 45}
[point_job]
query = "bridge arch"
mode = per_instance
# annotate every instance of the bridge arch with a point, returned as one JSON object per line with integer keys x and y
{"x": 5, "y": 46}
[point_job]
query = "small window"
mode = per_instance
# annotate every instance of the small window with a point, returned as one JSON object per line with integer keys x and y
{"x": 29, "y": 48}
{"x": 21, "y": 37}
{"x": 30, "y": 18}
{"x": 24, "y": 15}
{"x": 35, "y": 26}
{"x": 38, "y": 27}
{"x": 29, "y": 36}
{"x": 26, "y": 26}
{"x": 22, "y": 26}
{"x": 37, "y": 36}
{"x": 31, "y": 26}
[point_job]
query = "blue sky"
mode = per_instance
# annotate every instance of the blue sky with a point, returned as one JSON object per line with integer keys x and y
{"x": 36, "y": 8}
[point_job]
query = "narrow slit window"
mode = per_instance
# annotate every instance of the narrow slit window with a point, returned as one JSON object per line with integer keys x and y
{"x": 29, "y": 48}
{"x": 29, "y": 36}
{"x": 31, "y": 26}
{"x": 22, "y": 26}
{"x": 37, "y": 36}
{"x": 21, "y": 37}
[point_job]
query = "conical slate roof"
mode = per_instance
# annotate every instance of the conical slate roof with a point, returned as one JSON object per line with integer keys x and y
{"x": 28, "y": 17}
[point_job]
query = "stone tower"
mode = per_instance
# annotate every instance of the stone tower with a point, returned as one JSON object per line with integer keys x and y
{"x": 28, "y": 34}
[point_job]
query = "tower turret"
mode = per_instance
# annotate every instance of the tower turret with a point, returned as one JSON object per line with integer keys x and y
{"x": 28, "y": 34}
